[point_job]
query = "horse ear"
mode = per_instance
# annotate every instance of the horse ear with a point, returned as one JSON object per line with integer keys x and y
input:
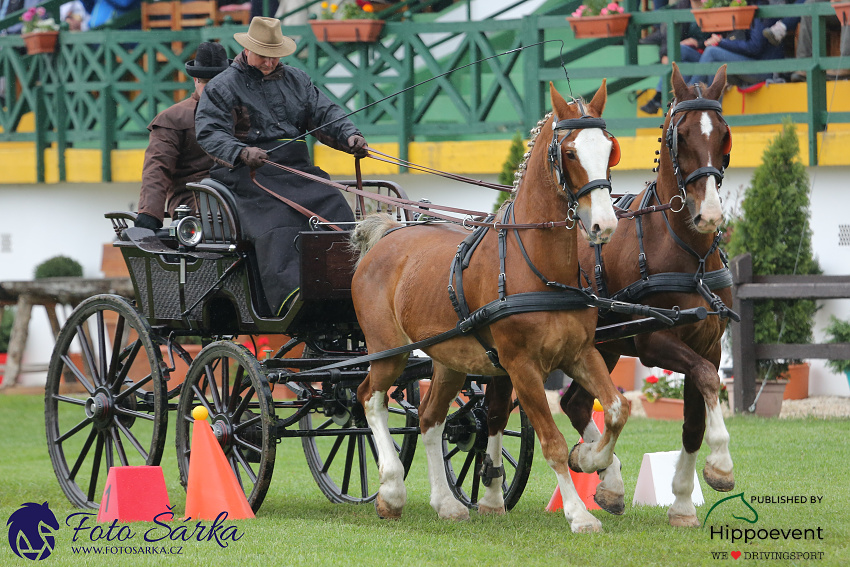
{"x": 559, "y": 105}
{"x": 715, "y": 91}
{"x": 680, "y": 89}
{"x": 600, "y": 98}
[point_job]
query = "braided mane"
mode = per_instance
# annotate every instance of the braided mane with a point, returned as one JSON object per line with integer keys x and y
{"x": 520, "y": 170}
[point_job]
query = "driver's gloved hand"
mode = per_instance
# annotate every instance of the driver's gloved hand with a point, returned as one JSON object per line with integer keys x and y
{"x": 144, "y": 220}
{"x": 253, "y": 157}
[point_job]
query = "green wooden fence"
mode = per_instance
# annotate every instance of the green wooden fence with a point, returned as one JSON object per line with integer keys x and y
{"x": 101, "y": 88}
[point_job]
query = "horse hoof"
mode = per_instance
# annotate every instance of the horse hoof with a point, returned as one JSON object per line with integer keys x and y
{"x": 490, "y": 511}
{"x": 678, "y": 521}
{"x": 384, "y": 511}
{"x": 586, "y": 527}
{"x": 611, "y": 502}
{"x": 572, "y": 461}
{"x": 719, "y": 481}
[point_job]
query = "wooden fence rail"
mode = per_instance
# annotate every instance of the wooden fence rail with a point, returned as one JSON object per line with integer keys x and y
{"x": 746, "y": 290}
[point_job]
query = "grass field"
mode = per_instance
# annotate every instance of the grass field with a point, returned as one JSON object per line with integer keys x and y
{"x": 298, "y": 526}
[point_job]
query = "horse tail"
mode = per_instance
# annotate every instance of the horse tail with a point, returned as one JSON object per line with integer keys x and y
{"x": 369, "y": 231}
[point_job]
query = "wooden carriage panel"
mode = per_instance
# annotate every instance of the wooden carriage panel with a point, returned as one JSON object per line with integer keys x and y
{"x": 327, "y": 265}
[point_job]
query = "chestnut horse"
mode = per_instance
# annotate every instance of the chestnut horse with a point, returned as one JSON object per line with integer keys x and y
{"x": 694, "y": 152}
{"x": 400, "y": 295}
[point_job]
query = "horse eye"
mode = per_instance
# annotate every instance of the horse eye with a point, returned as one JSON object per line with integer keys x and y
{"x": 571, "y": 154}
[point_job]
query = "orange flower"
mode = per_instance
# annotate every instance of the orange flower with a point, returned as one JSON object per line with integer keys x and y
{"x": 368, "y": 8}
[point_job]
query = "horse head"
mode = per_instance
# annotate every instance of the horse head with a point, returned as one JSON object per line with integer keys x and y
{"x": 580, "y": 154}
{"x": 698, "y": 143}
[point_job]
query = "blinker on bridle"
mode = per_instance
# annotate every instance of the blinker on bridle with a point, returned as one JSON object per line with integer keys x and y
{"x": 672, "y": 141}
{"x": 554, "y": 157}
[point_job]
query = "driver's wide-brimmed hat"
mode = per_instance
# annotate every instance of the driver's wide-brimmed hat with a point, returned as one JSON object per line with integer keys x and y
{"x": 265, "y": 38}
{"x": 210, "y": 60}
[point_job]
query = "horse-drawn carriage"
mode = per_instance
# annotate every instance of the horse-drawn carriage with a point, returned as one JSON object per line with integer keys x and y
{"x": 109, "y": 393}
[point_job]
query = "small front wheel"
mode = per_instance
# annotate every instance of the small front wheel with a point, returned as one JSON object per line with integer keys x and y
{"x": 228, "y": 381}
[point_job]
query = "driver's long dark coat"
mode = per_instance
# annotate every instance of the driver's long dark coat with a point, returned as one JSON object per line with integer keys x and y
{"x": 240, "y": 107}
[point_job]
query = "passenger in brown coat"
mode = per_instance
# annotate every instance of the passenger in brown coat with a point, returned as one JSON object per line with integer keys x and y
{"x": 173, "y": 157}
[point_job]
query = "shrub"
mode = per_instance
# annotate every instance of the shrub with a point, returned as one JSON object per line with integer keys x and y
{"x": 838, "y": 331}
{"x": 774, "y": 228}
{"x": 59, "y": 267}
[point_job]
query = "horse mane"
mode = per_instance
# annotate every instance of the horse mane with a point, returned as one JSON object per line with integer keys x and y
{"x": 520, "y": 170}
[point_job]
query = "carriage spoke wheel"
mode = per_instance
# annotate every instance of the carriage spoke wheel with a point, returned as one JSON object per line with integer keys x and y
{"x": 342, "y": 454}
{"x": 228, "y": 381}
{"x": 465, "y": 446}
{"x": 104, "y": 400}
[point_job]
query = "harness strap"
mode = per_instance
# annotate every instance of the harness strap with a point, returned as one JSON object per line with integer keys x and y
{"x": 301, "y": 209}
{"x": 672, "y": 282}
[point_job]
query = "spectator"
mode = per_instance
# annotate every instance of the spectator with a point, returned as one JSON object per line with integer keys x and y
{"x": 753, "y": 47}
{"x": 74, "y": 13}
{"x": 104, "y": 11}
{"x": 804, "y": 46}
{"x": 777, "y": 33}
{"x": 173, "y": 157}
{"x": 691, "y": 47}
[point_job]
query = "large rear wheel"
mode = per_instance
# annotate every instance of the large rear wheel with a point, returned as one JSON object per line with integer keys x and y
{"x": 104, "y": 402}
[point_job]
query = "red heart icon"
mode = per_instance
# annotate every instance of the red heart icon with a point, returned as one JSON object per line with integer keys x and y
{"x": 735, "y": 554}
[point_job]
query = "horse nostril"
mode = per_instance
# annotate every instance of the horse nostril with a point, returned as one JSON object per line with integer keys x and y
{"x": 697, "y": 219}
{"x": 596, "y": 229}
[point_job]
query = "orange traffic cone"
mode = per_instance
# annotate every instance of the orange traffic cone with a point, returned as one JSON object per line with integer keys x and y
{"x": 212, "y": 487}
{"x": 585, "y": 483}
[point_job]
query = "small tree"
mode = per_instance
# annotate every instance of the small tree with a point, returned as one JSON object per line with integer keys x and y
{"x": 774, "y": 228}
{"x": 7, "y": 318}
{"x": 516, "y": 155}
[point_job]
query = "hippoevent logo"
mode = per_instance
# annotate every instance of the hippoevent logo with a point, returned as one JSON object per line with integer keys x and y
{"x": 742, "y": 509}
{"x": 31, "y": 530}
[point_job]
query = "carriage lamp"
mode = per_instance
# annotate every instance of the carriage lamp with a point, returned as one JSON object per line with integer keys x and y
{"x": 186, "y": 228}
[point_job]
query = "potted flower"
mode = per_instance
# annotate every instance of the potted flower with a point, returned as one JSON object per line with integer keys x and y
{"x": 724, "y": 15}
{"x": 838, "y": 331}
{"x": 599, "y": 18}
{"x": 354, "y": 21}
{"x": 662, "y": 395}
{"x": 39, "y": 32}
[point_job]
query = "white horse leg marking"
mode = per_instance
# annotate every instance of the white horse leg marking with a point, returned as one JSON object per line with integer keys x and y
{"x": 493, "y": 501}
{"x": 610, "y": 478}
{"x": 442, "y": 500}
{"x": 590, "y": 457}
{"x": 390, "y": 469}
{"x": 577, "y": 515}
{"x": 683, "y": 513}
{"x": 718, "y": 464}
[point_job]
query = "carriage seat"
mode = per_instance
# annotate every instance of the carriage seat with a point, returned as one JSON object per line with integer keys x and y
{"x": 217, "y": 212}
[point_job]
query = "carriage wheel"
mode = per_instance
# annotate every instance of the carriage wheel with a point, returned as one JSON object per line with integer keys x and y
{"x": 229, "y": 382}
{"x": 104, "y": 404}
{"x": 465, "y": 445}
{"x": 345, "y": 463}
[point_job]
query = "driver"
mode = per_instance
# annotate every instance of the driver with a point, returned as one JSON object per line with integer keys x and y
{"x": 246, "y": 114}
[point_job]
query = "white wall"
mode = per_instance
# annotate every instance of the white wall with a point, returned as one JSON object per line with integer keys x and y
{"x": 46, "y": 220}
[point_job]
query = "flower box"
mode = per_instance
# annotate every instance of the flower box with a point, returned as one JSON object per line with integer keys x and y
{"x": 842, "y": 10}
{"x": 612, "y": 25}
{"x": 725, "y": 19}
{"x": 40, "y": 42}
{"x": 769, "y": 404}
{"x": 347, "y": 30}
{"x": 664, "y": 408}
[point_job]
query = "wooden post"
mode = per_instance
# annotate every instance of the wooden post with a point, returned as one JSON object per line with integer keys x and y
{"x": 18, "y": 341}
{"x": 743, "y": 336}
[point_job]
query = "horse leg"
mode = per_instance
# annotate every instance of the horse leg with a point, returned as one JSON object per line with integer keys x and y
{"x": 527, "y": 378}
{"x": 702, "y": 384}
{"x": 372, "y": 394}
{"x": 445, "y": 385}
{"x": 597, "y": 451}
{"x": 499, "y": 406}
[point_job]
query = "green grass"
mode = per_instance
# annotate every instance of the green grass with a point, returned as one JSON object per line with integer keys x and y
{"x": 298, "y": 526}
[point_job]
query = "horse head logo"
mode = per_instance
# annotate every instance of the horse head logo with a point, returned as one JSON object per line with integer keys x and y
{"x": 31, "y": 530}
{"x": 739, "y": 496}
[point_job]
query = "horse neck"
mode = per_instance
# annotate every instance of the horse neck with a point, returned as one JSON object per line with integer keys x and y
{"x": 552, "y": 250}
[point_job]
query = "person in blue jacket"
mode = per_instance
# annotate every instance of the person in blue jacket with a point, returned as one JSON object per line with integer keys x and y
{"x": 103, "y": 11}
{"x": 753, "y": 46}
